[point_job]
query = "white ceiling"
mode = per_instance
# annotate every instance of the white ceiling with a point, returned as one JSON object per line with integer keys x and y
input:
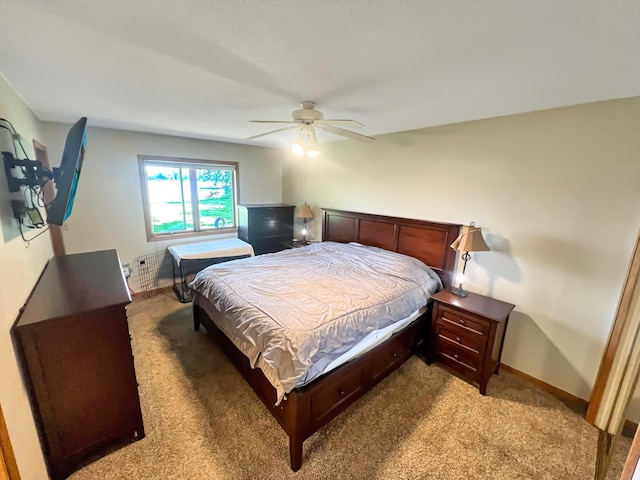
{"x": 201, "y": 68}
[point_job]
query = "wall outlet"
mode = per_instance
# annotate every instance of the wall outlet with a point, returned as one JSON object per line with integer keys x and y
{"x": 126, "y": 270}
{"x": 19, "y": 209}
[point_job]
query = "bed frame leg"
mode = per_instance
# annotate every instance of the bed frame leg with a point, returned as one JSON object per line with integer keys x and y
{"x": 295, "y": 453}
{"x": 196, "y": 319}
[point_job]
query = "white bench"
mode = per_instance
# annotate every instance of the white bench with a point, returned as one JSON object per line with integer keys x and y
{"x": 189, "y": 258}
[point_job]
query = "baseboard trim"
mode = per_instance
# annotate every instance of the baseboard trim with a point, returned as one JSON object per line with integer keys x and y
{"x": 576, "y": 403}
{"x": 8, "y": 464}
{"x": 569, "y": 397}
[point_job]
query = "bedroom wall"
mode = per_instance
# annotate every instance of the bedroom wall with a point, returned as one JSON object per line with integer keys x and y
{"x": 21, "y": 266}
{"x": 108, "y": 211}
{"x": 556, "y": 193}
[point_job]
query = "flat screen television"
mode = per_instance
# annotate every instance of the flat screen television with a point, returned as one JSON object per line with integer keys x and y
{"x": 67, "y": 174}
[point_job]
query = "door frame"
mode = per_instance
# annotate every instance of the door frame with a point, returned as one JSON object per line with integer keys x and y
{"x": 8, "y": 464}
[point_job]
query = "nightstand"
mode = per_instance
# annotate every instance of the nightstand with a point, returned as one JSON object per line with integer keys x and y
{"x": 293, "y": 244}
{"x": 467, "y": 334}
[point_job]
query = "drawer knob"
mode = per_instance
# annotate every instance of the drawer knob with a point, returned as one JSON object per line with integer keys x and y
{"x": 455, "y": 356}
{"x": 341, "y": 392}
{"x": 394, "y": 354}
{"x": 462, "y": 321}
{"x": 458, "y": 340}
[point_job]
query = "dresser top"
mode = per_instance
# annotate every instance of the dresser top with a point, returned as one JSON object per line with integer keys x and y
{"x": 265, "y": 205}
{"x": 479, "y": 304}
{"x": 74, "y": 284}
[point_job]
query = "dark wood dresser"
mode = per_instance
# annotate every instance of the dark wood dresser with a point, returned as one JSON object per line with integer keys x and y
{"x": 467, "y": 334}
{"x": 75, "y": 352}
{"x": 266, "y": 227}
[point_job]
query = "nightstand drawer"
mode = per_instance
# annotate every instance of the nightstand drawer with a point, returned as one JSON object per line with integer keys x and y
{"x": 474, "y": 325}
{"x": 473, "y": 344}
{"x": 455, "y": 358}
{"x": 458, "y": 353}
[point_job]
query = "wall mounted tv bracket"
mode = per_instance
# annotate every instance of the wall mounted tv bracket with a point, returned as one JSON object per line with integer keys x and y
{"x": 34, "y": 173}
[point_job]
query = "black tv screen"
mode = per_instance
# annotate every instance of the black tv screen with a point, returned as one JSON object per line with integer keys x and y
{"x": 66, "y": 176}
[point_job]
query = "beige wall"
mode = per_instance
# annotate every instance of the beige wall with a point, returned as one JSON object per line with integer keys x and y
{"x": 108, "y": 211}
{"x": 20, "y": 266}
{"x": 557, "y": 194}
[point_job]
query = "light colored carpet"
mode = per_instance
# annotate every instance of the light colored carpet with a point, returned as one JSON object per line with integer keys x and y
{"x": 203, "y": 421}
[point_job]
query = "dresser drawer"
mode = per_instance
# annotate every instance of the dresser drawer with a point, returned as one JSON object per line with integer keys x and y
{"x": 462, "y": 321}
{"x": 271, "y": 228}
{"x": 268, "y": 245}
{"x": 271, "y": 214}
{"x": 471, "y": 343}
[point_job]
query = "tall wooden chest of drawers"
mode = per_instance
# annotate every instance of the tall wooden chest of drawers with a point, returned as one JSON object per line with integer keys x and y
{"x": 467, "y": 334}
{"x": 75, "y": 352}
{"x": 266, "y": 227}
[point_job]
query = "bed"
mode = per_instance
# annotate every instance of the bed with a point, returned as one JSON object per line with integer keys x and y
{"x": 308, "y": 407}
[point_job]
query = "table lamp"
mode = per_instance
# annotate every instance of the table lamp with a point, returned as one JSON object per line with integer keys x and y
{"x": 469, "y": 240}
{"x": 305, "y": 214}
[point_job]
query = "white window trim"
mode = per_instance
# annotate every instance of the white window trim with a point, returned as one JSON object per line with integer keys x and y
{"x": 144, "y": 160}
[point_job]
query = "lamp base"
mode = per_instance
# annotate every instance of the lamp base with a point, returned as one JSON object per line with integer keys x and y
{"x": 461, "y": 292}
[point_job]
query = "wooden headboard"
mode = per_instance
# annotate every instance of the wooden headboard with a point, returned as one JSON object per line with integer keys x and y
{"x": 427, "y": 241}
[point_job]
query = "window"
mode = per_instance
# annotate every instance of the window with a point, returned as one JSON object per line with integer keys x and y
{"x": 185, "y": 197}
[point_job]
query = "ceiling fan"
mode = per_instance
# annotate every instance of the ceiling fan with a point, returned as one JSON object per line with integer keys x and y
{"x": 308, "y": 118}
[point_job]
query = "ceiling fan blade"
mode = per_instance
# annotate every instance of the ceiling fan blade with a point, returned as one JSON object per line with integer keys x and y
{"x": 329, "y": 121}
{"x": 272, "y": 121}
{"x": 272, "y": 131}
{"x": 347, "y": 133}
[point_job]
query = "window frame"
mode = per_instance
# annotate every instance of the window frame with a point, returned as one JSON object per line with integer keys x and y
{"x": 180, "y": 162}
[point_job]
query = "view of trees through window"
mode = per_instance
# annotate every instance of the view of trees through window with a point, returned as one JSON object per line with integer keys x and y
{"x": 184, "y": 198}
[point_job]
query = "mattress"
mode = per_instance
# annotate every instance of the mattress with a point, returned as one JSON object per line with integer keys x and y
{"x": 224, "y": 247}
{"x": 291, "y": 310}
{"x": 369, "y": 342}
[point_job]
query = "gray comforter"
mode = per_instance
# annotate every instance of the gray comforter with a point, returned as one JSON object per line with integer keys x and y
{"x": 289, "y": 309}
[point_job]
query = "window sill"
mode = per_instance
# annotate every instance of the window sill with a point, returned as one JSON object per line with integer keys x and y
{"x": 202, "y": 233}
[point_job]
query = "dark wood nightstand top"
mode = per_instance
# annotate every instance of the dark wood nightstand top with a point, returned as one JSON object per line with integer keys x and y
{"x": 475, "y": 303}
{"x": 294, "y": 243}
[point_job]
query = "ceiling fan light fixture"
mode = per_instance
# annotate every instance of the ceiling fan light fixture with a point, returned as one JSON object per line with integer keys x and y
{"x": 312, "y": 147}
{"x": 307, "y": 119}
{"x": 298, "y": 148}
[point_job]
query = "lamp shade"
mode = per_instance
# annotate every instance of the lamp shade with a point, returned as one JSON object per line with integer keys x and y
{"x": 470, "y": 240}
{"x": 312, "y": 147}
{"x": 305, "y": 211}
{"x": 297, "y": 147}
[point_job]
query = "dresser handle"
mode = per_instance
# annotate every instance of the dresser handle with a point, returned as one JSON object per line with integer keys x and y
{"x": 461, "y": 321}
{"x": 394, "y": 354}
{"x": 458, "y": 340}
{"x": 341, "y": 392}
{"x": 455, "y": 356}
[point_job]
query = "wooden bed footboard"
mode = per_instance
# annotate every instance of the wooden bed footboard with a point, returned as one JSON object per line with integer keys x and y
{"x": 309, "y": 408}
